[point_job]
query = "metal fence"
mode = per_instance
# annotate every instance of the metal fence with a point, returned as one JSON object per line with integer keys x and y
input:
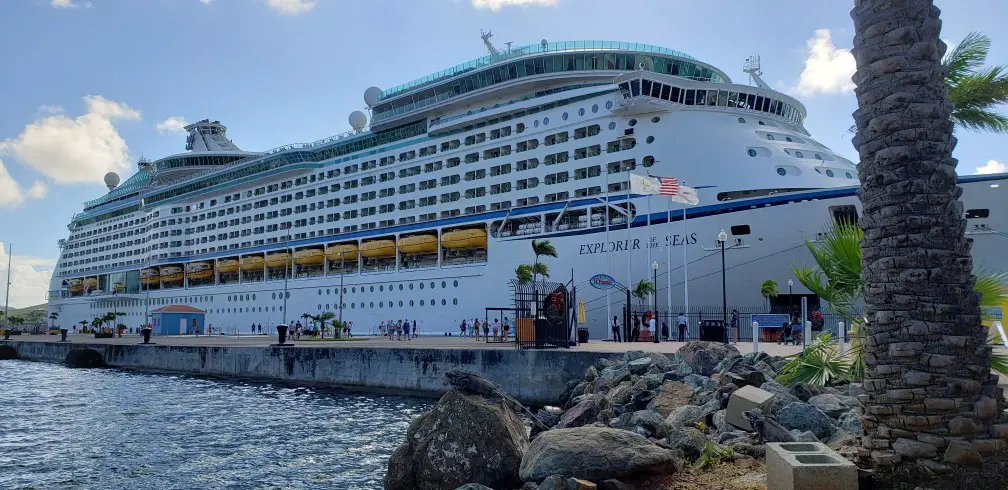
{"x": 543, "y": 315}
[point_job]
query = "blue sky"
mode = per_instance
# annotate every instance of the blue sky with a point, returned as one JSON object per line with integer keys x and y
{"x": 89, "y": 86}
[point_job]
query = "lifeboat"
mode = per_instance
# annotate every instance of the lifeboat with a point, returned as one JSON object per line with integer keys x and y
{"x": 228, "y": 266}
{"x": 75, "y": 285}
{"x": 309, "y": 256}
{"x": 278, "y": 259}
{"x": 378, "y": 249}
{"x": 150, "y": 276}
{"x": 252, "y": 263}
{"x": 200, "y": 270}
{"x": 464, "y": 239}
{"x": 90, "y": 283}
{"x": 171, "y": 273}
{"x": 418, "y": 244}
{"x": 119, "y": 287}
{"x": 349, "y": 251}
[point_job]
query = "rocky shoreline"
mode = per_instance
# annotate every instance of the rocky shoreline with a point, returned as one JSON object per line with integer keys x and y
{"x": 630, "y": 421}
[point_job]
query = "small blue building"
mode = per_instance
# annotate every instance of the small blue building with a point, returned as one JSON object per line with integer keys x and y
{"x": 178, "y": 320}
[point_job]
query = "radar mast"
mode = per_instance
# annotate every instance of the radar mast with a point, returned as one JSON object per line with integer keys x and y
{"x": 752, "y": 67}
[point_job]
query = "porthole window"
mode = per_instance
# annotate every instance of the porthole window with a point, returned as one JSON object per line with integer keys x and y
{"x": 327, "y": 306}
{"x": 411, "y": 286}
{"x": 655, "y": 119}
{"x": 444, "y": 302}
{"x": 421, "y": 302}
{"x": 849, "y": 175}
{"x": 594, "y": 108}
{"x": 546, "y": 121}
{"x": 818, "y": 156}
{"x": 444, "y": 284}
{"x": 612, "y": 126}
{"x": 372, "y": 289}
{"x": 456, "y": 283}
{"x": 751, "y": 152}
{"x": 229, "y": 299}
{"x": 400, "y": 303}
{"x": 288, "y": 294}
{"x": 648, "y": 161}
{"x": 769, "y": 137}
{"x": 411, "y": 303}
{"x": 421, "y": 285}
{"x": 455, "y": 301}
{"x": 799, "y": 154}
{"x": 581, "y": 112}
{"x": 432, "y": 285}
{"x": 274, "y": 295}
{"x": 320, "y": 307}
{"x": 352, "y": 305}
{"x": 632, "y": 123}
{"x": 781, "y": 171}
{"x": 608, "y": 105}
{"x": 328, "y": 291}
{"x": 741, "y": 120}
{"x": 320, "y": 292}
{"x": 432, "y": 302}
{"x": 381, "y": 288}
{"x": 650, "y": 139}
{"x": 761, "y": 123}
{"x": 829, "y": 173}
{"x": 535, "y": 123}
{"x": 400, "y": 287}
{"x": 353, "y": 290}
{"x": 788, "y": 139}
{"x": 564, "y": 116}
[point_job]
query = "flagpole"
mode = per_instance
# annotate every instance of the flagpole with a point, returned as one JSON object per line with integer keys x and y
{"x": 629, "y": 252}
{"x": 608, "y": 303}
{"x": 668, "y": 273}
{"x": 685, "y": 259}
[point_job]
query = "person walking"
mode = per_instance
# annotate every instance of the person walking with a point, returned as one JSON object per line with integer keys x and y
{"x": 496, "y": 328}
{"x": 682, "y": 326}
{"x": 505, "y": 326}
{"x": 653, "y": 325}
{"x": 486, "y": 330}
{"x": 462, "y": 328}
{"x": 472, "y": 327}
{"x": 615, "y": 329}
{"x": 635, "y": 333}
{"x": 734, "y": 327}
{"x": 665, "y": 332}
{"x": 476, "y": 328}
{"x": 414, "y": 328}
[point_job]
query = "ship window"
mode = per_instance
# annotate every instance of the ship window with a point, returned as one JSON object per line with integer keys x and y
{"x": 752, "y": 153}
{"x": 536, "y": 123}
{"x": 741, "y": 120}
{"x": 421, "y": 302}
{"x": 444, "y": 302}
{"x": 769, "y": 137}
{"x": 799, "y": 154}
{"x": 546, "y": 121}
{"x": 456, "y": 283}
{"x": 594, "y": 108}
{"x": 411, "y": 302}
{"x": 633, "y": 122}
{"x": 648, "y": 161}
{"x": 849, "y": 175}
{"x": 565, "y": 116}
{"x": 844, "y": 214}
{"x": 829, "y": 173}
{"x": 608, "y": 105}
{"x": 788, "y": 139}
{"x": 581, "y": 112}
{"x": 977, "y": 213}
{"x": 655, "y": 119}
{"x": 780, "y": 170}
{"x": 818, "y": 156}
{"x": 612, "y": 126}
{"x": 761, "y": 123}
{"x": 740, "y": 230}
{"x": 650, "y": 139}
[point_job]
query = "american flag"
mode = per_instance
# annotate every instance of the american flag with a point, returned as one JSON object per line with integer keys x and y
{"x": 669, "y": 186}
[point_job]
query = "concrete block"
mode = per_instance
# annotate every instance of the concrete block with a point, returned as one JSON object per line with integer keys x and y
{"x": 808, "y": 466}
{"x": 744, "y": 399}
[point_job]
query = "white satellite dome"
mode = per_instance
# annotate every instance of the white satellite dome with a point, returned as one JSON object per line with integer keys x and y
{"x": 371, "y": 96}
{"x": 112, "y": 180}
{"x": 358, "y": 120}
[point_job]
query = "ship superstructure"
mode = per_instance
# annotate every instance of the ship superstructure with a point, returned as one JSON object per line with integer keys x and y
{"x": 426, "y": 213}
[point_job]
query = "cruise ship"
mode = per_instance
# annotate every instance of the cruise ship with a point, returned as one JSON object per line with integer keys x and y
{"x": 426, "y": 206}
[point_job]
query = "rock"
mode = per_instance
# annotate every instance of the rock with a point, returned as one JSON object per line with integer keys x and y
{"x": 672, "y": 394}
{"x": 719, "y": 422}
{"x": 855, "y": 389}
{"x": 961, "y": 452}
{"x": 660, "y": 360}
{"x": 804, "y": 436}
{"x": 613, "y": 484}
{"x": 639, "y": 366}
{"x": 620, "y": 394}
{"x": 850, "y": 422}
{"x": 753, "y": 357}
{"x": 654, "y": 380}
{"x": 727, "y": 363}
{"x": 803, "y": 416}
{"x": 473, "y": 486}
{"x": 687, "y": 440}
{"x": 768, "y": 371}
{"x": 594, "y": 454}
{"x": 751, "y": 450}
{"x": 651, "y": 422}
{"x": 733, "y": 437}
{"x": 641, "y": 400}
{"x": 830, "y": 404}
{"x": 724, "y": 393}
{"x": 802, "y": 392}
{"x": 590, "y": 374}
{"x": 633, "y": 355}
{"x": 718, "y": 352}
{"x": 579, "y": 484}
{"x": 781, "y": 396}
{"x": 747, "y": 377}
{"x": 744, "y": 399}
{"x": 554, "y": 482}
{"x": 681, "y": 370}
{"x": 913, "y": 449}
{"x": 549, "y": 416}
{"x": 612, "y": 376}
{"x": 685, "y": 416}
{"x": 583, "y": 413}
{"x": 530, "y": 486}
{"x": 700, "y": 383}
{"x": 464, "y": 439}
{"x": 839, "y": 439}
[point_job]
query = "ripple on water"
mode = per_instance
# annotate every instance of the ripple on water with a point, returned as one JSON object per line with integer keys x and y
{"x": 108, "y": 429}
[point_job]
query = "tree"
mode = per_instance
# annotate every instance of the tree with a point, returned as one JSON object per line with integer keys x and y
{"x": 768, "y": 289}
{"x": 541, "y": 248}
{"x": 642, "y": 291}
{"x": 325, "y": 317}
{"x": 52, "y": 317}
{"x": 523, "y": 274}
{"x": 975, "y": 89}
{"x": 928, "y": 366}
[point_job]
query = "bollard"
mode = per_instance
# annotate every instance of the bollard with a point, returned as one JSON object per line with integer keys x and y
{"x": 807, "y": 334}
{"x": 842, "y": 333}
{"x": 281, "y": 334}
{"x": 6, "y": 334}
{"x": 63, "y": 334}
{"x": 146, "y": 335}
{"x": 755, "y": 336}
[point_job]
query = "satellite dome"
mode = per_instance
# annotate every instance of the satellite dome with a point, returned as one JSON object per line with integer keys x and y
{"x": 371, "y": 96}
{"x": 544, "y": 44}
{"x": 358, "y": 120}
{"x": 112, "y": 180}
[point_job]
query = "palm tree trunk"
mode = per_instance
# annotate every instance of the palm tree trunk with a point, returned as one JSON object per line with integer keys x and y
{"x": 930, "y": 391}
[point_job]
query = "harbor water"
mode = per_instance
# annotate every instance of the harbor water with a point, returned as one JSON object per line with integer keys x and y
{"x": 112, "y": 429}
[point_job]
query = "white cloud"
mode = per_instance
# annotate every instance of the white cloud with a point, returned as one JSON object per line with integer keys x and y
{"x": 29, "y": 278}
{"x": 992, "y": 167}
{"x": 10, "y": 191}
{"x": 291, "y": 7}
{"x": 51, "y": 109}
{"x": 82, "y": 149}
{"x": 496, "y": 5}
{"x": 62, "y": 4}
{"x": 173, "y": 124}
{"x": 828, "y": 69}
{"x": 38, "y": 190}
{"x": 206, "y": 2}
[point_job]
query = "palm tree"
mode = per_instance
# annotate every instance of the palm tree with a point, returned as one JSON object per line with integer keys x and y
{"x": 923, "y": 313}
{"x": 642, "y": 291}
{"x": 325, "y": 317}
{"x": 52, "y": 317}
{"x": 975, "y": 89}
{"x": 541, "y": 248}
{"x": 768, "y": 289}
{"x": 523, "y": 274}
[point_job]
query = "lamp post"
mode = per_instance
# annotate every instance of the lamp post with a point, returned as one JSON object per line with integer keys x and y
{"x": 654, "y": 301}
{"x": 722, "y": 237}
{"x": 286, "y": 276}
{"x": 341, "y": 271}
{"x": 790, "y": 283}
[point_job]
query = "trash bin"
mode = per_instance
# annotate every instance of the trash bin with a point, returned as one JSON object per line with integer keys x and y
{"x": 582, "y": 333}
{"x": 712, "y": 330}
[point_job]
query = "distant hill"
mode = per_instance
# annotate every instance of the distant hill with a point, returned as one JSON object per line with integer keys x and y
{"x": 32, "y": 314}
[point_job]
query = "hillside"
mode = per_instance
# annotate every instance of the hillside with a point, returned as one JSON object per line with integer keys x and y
{"x": 32, "y": 314}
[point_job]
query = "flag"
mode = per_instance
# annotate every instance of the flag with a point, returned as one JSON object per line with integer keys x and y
{"x": 640, "y": 184}
{"x": 669, "y": 186}
{"x": 686, "y": 195}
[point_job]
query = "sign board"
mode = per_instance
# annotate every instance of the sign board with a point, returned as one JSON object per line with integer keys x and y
{"x": 771, "y": 320}
{"x": 602, "y": 281}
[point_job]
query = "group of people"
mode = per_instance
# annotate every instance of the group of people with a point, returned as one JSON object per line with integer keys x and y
{"x": 398, "y": 329}
{"x": 500, "y": 330}
{"x": 649, "y": 320}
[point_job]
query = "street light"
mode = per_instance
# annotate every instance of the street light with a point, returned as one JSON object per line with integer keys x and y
{"x": 789, "y": 298}
{"x": 722, "y": 237}
{"x": 341, "y": 271}
{"x": 654, "y": 301}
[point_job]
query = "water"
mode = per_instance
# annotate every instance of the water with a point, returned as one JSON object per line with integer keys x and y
{"x": 110, "y": 429}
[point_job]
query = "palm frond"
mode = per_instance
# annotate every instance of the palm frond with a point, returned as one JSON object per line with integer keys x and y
{"x": 523, "y": 273}
{"x": 543, "y": 247}
{"x": 819, "y": 364}
{"x": 642, "y": 290}
{"x": 966, "y": 57}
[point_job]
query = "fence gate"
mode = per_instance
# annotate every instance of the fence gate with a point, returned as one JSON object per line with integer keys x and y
{"x": 543, "y": 315}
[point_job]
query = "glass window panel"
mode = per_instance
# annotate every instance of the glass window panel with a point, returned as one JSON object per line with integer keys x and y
{"x": 712, "y": 97}
{"x": 701, "y": 97}
{"x": 665, "y": 91}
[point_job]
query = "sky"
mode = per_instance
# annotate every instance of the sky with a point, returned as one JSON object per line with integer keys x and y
{"x": 90, "y": 86}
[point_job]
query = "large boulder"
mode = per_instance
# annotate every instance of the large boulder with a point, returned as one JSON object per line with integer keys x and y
{"x": 833, "y": 405}
{"x": 621, "y": 394}
{"x": 805, "y": 417}
{"x": 583, "y": 413}
{"x": 464, "y": 439}
{"x": 850, "y": 422}
{"x": 670, "y": 395}
{"x": 704, "y": 357}
{"x": 781, "y": 395}
{"x": 593, "y": 453}
{"x": 612, "y": 376}
{"x": 685, "y": 416}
